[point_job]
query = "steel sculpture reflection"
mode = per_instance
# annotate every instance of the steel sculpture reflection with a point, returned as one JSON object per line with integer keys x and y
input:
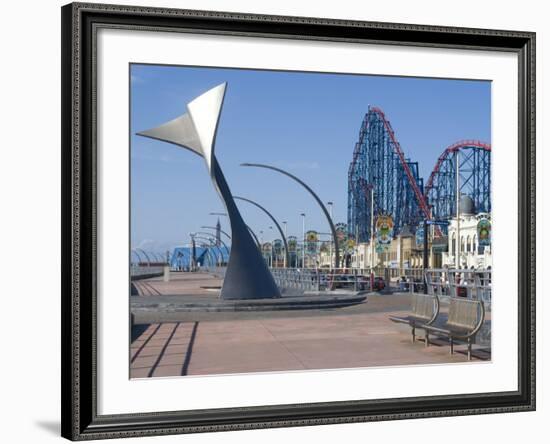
{"x": 247, "y": 275}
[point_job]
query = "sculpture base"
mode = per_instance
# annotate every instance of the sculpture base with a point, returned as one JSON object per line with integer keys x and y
{"x": 170, "y": 308}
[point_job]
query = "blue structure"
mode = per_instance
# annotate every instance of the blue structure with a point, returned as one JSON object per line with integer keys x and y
{"x": 380, "y": 165}
{"x": 205, "y": 256}
{"x": 474, "y": 158}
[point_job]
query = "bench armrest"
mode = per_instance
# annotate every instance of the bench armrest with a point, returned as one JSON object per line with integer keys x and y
{"x": 481, "y": 320}
{"x": 436, "y": 311}
{"x": 400, "y": 320}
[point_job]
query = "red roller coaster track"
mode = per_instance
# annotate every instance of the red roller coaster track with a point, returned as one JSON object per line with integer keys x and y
{"x": 397, "y": 148}
{"x": 421, "y": 198}
{"x": 451, "y": 149}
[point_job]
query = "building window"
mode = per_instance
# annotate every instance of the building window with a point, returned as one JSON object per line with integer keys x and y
{"x": 468, "y": 245}
{"x": 453, "y": 247}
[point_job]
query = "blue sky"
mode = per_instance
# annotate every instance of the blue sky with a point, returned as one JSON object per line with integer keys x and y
{"x": 307, "y": 123}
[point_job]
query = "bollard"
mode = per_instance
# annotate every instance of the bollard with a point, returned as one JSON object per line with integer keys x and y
{"x": 166, "y": 277}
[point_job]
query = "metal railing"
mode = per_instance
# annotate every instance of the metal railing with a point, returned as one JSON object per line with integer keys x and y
{"x": 408, "y": 283}
{"x": 142, "y": 271}
{"x": 321, "y": 279}
{"x": 470, "y": 284}
{"x": 297, "y": 279}
{"x": 390, "y": 273}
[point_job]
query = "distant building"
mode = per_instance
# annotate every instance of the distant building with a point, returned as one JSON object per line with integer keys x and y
{"x": 401, "y": 253}
{"x": 471, "y": 253}
{"x": 406, "y": 251}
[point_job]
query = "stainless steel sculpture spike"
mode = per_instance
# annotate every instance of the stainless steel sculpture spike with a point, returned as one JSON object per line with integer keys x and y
{"x": 247, "y": 275}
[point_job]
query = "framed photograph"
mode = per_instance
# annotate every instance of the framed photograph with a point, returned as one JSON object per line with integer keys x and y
{"x": 275, "y": 221}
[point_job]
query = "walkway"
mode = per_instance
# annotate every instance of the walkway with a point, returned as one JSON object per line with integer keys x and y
{"x": 243, "y": 342}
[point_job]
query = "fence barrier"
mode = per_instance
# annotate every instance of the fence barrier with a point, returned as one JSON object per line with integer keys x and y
{"x": 297, "y": 279}
{"x": 470, "y": 284}
{"x": 145, "y": 271}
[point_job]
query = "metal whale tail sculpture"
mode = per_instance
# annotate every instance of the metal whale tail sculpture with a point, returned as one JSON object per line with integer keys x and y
{"x": 247, "y": 275}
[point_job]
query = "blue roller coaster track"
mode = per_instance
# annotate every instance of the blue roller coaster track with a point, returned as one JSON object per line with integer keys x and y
{"x": 475, "y": 178}
{"x": 379, "y": 168}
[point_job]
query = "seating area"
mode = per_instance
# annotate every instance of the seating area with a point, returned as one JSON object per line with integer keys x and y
{"x": 424, "y": 311}
{"x": 465, "y": 318}
{"x": 460, "y": 324}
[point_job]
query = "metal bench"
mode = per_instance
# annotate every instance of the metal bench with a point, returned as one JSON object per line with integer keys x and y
{"x": 424, "y": 311}
{"x": 465, "y": 318}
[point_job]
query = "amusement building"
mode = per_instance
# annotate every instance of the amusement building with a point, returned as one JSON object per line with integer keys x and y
{"x": 444, "y": 223}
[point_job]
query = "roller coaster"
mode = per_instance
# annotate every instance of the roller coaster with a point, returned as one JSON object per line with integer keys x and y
{"x": 382, "y": 179}
{"x": 475, "y": 178}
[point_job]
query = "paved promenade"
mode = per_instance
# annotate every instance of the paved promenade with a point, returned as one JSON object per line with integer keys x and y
{"x": 242, "y": 342}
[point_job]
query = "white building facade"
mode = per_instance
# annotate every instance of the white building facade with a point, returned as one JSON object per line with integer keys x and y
{"x": 464, "y": 242}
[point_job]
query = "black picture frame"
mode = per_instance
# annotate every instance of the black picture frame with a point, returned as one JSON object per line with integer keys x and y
{"x": 80, "y": 420}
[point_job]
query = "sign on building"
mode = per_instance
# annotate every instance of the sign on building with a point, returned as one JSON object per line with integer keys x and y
{"x": 278, "y": 247}
{"x": 384, "y": 231}
{"x": 484, "y": 232}
{"x": 292, "y": 243}
{"x": 311, "y": 241}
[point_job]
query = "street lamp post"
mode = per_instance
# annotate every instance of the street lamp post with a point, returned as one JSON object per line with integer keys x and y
{"x": 262, "y": 244}
{"x": 286, "y": 248}
{"x": 330, "y": 213}
{"x": 303, "y": 239}
{"x": 372, "y": 237}
{"x": 193, "y": 252}
{"x": 427, "y": 251}
{"x": 271, "y": 249}
{"x": 458, "y": 243}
